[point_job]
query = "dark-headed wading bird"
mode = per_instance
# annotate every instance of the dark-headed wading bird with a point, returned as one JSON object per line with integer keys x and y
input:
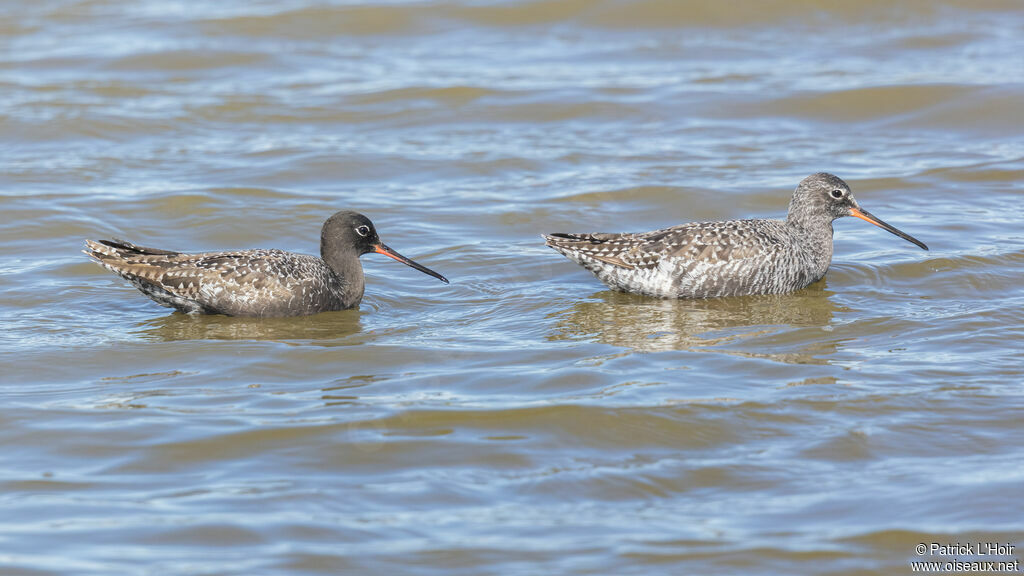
{"x": 255, "y": 282}
{"x": 732, "y": 258}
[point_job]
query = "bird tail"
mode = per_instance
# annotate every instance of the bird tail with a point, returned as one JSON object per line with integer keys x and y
{"x": 127, "y": 259}
{"x": 605, "y": 248}
{"x": 569, "y": 240}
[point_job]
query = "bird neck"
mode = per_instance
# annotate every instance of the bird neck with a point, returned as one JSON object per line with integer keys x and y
{"x": 348, "y": 279}
{"x": 807, "y": 225}
{"x": 814, "y": 239}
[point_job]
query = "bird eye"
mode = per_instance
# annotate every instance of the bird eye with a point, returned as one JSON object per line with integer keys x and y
{"x": 363, "y": 230}
{"x": 837, "y": 194}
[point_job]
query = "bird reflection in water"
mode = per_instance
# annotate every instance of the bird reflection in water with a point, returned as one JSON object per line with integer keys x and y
{"x": 328, "y": 328}
{"x": 779, "y": 322}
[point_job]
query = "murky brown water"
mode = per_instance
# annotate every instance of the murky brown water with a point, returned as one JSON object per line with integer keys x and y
{"x": 522, "y": 420}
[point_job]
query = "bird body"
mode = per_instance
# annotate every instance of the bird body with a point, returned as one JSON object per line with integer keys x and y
{"x": 254, "y": 282}
{"x": 700, "y": 260}
{"x": 730, "y": 258}
{"x": 242, "y": 283}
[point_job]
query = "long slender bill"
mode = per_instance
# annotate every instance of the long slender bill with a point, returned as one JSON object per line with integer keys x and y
{"x": 868, "y": 217}
{"x": 382, "y": 249}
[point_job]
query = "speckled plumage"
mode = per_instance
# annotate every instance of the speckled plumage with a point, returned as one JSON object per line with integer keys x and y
{"x": 254, "y": 282}
{"x": 730, "y": 258}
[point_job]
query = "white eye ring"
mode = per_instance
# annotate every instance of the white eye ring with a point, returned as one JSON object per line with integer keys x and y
{"x": 363, "y": 230}
{"x": 837, "y": 194}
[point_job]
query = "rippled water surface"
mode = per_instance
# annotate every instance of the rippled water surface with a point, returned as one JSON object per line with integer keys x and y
{"x": 523, "y": 419}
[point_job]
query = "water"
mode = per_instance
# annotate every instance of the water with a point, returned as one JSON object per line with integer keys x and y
{"x": 523, "y": 419}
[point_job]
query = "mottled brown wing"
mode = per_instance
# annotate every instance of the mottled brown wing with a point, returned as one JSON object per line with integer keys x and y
{"x": 233, "y": 282}
{"x": 710, "y": 242}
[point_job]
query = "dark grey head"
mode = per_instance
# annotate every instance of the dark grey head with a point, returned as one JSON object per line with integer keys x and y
{"x": 821, "y": 198}
{"x": 351, "y": 232}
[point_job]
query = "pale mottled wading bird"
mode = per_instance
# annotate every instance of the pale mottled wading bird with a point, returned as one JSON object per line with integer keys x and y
{"x": 255, "y": 282}
{"x": 731, "y": 258}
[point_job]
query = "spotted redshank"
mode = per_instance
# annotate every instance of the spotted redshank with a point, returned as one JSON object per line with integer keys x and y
{"x": 255, "y": 282}
{"x": 732, "y": 258}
